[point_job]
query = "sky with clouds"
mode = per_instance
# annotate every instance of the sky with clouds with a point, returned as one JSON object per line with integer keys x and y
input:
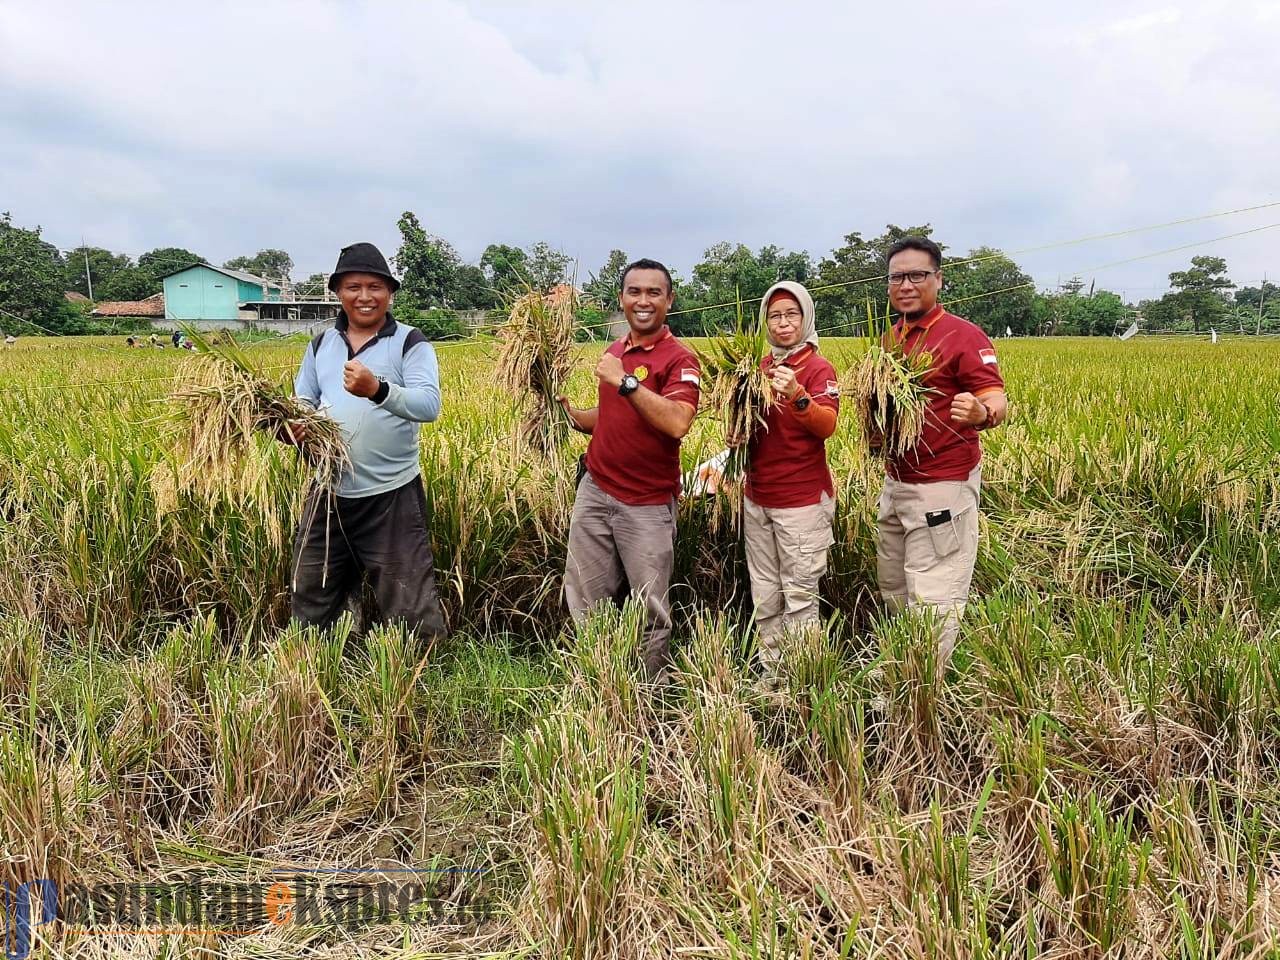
{"x": 658, "y": 128}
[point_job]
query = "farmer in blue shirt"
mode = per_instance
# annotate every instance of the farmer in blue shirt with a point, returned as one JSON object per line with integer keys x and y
{"x": 379, "y": 380}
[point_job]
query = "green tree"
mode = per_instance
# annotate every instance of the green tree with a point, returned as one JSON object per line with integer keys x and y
{"x": 131, "y": 283}
{"x": 270, "y": 264}
{"x": 547, "y": 266}
{"x": 604, "y": 283}
{"x": 855, "y": 272}
{"x": 728, "y": 273}
{"x": 313, "y": 287}
{"x": 428, "y": 266}
{"x": 989, "y": 289}
{"x": 1067, "y": 313}
{"x": 96, "y": 263}
{"x": 471, "y": 291}
{"x": 505, "y": 268}
{"x": 165, "y": 260}
{"x": 31, "y": 276}
{"x": 1199, "y": 296}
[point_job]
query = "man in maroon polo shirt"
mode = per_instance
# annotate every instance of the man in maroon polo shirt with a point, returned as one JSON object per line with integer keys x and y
{"x": 624, "y": 518}
{"x": 927, "y": 528}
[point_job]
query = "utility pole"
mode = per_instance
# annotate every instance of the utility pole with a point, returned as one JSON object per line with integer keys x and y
{"x": 88, "y": 276}
{"x": 1262, "y": 298}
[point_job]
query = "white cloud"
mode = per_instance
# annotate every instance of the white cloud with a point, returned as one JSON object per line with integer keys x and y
{"x": 659, "y": 129}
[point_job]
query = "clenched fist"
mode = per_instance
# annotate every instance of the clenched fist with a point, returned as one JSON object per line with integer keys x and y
{"x": 609, "y": 370}
{"x": 783, "y": 381}
{"x": 968, "y": 409}
{"x": 359, "y": 379}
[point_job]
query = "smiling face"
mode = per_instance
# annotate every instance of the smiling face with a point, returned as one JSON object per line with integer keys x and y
{"x": 645, "y": 300}
{"x": 785, "y": 320}
{"x": 914, "y": 299}
{"x": 365, "y": 298}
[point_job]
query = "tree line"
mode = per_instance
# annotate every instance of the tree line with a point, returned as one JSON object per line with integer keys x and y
{"x": 983, "y": 285}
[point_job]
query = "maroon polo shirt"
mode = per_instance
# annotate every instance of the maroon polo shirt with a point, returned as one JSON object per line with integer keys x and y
{"x": 629, "y": 459}
{"x": 964, "y": 361}
{"x": 787, "y": 462}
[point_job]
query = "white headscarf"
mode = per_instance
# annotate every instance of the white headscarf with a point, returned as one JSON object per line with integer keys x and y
{"x": 809, "y": 326}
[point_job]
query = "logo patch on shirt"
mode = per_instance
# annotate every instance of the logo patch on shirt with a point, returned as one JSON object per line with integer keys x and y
{"x": 833, "y": 388}
{"x": 641, "y": 373}
{"x": 690, "y": 375}
{"x": 988, "y": 356}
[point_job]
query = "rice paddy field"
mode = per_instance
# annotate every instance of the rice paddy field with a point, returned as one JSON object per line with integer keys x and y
{"x": 1095, "y": 775}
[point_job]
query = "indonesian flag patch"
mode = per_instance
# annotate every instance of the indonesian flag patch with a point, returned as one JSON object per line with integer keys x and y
{"x": 987, "y": 355}
{"x": 690, "y": 375}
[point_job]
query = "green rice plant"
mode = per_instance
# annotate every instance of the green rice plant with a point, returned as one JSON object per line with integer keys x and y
{"x": 739, "y": 392}
{"x": 43, "y": 828}
{"x": 1095, "y": 866}
{"x": 21, "y": 658}
{"x": 890, "y": 388}
{"x": 396, "y": 732}
{"x": 585, "y": 786}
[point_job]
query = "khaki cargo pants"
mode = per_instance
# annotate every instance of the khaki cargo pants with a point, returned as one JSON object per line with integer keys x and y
{"x": 925, "y": 561}
{"x": 786, "y": 557}
{"x": 613, "y": 545}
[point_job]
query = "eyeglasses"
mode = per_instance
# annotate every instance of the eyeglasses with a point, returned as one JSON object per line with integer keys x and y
{"x": 915, "y": 276}
{"x": 791, "y": 316}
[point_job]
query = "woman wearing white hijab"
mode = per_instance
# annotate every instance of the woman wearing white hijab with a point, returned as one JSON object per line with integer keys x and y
{"x": 790, "y": 498}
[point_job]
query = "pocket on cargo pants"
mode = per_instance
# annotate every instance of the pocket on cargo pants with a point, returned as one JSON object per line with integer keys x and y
{"x": 944, "y": 530}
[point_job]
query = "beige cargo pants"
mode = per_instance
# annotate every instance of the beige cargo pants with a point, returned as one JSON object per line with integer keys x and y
{"x": 786, "y": 556}
{"x": 925, "y": 557}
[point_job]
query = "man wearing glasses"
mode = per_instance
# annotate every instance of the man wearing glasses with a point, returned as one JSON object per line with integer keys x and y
{"x": 927, "y": 527}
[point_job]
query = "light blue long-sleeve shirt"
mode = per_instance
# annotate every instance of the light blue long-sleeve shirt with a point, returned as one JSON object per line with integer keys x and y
{"x": 382, "y": 432}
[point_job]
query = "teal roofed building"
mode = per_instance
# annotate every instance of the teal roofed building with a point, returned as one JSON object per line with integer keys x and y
{"x": 215, "y": 294}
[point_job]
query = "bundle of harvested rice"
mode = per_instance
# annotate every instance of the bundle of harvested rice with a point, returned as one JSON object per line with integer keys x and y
{"x": 534, "y": 359}
{"x": 889, "y": 385}
{"x": 221, "y": 408}
{"x": 740, "y": 393}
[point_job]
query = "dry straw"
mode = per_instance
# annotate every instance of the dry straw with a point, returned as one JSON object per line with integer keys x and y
{"x": 534, "y": 360}
{"x": 740, "y": 393}
{"x": 224, "y": 409}
{"x": 889, "y": 386}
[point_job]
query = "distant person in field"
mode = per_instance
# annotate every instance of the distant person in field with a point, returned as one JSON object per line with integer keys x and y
{"x": 379, "y": 380}
{"x": 927, "y": 539}
{"x": 10, "y": 340}
{"x": 789, "y": 501}
{"x": 624, "y": 518}
{"x": 177, "y": 339}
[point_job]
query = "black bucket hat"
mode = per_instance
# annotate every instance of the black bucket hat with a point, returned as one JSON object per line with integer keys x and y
{"x": 362, "y": 258}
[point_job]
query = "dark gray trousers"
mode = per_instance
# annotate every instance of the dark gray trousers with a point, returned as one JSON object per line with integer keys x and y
{"x": 613, "y": 544}
{"x": 383, "y": 537}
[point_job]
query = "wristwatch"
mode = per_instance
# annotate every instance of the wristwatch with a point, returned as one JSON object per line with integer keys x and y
{"x": 986, "y": 420}
{"x": 801, "y": 402}
{"x": 629, "y": 385}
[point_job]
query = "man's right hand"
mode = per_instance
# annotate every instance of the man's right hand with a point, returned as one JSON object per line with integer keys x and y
{"x": 568, "y": 411}
{"x": 295, "y": 432}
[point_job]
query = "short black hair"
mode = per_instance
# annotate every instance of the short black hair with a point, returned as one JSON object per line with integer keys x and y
{"x": 644, "y": 263}
{"x": 916, "y": 243}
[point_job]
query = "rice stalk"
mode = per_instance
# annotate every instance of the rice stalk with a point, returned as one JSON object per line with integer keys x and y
{"x": 223, "y": 408}
{"x": 890, "y": 390}
{"x": 534, "y": 359}
{"x": 740, "y": 393}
